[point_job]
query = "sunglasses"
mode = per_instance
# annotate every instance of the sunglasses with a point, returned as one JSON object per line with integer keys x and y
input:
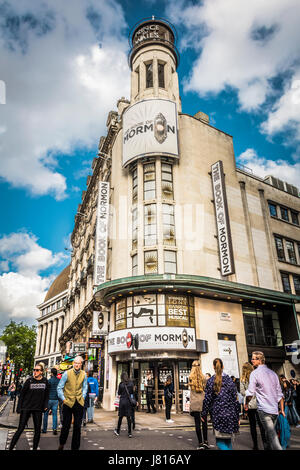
{"x": 37, "y": 370}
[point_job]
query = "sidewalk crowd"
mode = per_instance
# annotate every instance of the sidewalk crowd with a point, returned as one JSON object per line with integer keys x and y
{"x": 260, "y": 396}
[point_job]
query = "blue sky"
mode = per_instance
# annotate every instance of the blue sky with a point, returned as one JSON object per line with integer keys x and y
{"x": 63, "y": 66}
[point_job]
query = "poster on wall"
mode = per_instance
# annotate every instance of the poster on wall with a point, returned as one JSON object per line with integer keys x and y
{"x": 150, "y": 128}
{"x": 186, "y": 401}
{"x": 228, "y": 354}
{"x": 101, "y": 233}
{"x": 177, "y": 312}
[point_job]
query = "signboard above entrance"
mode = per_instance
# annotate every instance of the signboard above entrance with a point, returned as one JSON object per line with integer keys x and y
{"x": 150, "y": 128}
{"x": 153, "y": 338}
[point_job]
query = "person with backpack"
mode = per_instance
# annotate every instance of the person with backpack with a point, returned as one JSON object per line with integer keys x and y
{"x": 32, "y": 402}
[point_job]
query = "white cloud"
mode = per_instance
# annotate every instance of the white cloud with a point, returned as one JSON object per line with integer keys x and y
{"x": 23, "y": 287}
{"x": 242, "y": 46}
{"x": 263, "y": 167}
{"x": 286, "y": 112}
{"x": 65, "y": 66}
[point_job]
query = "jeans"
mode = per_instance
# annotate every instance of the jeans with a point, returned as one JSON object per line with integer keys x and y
{"x": 77, "y": 412}
{"x": 198, "y": 424}
{"x": 268, "y": 422}
{"x": 168, "y": 408}
{"x": 253, "y": 419}
{"x": 52, "y": 405}
{"x": 91, "y": 408}
{"x": 37, "y": 421}
{"x": 224, "y": 444}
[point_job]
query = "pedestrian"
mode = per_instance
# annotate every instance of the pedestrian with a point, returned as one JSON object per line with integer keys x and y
{"x": 12, "y": 391}
{"x": 125, "y": 392}
{"x": 289, "y": 406}
{"x": 296, "y": 396}
{"x": 265, "y": 385}
{"x": 33, "y": 401}
{"x": 133, "y": 408}
{"x": 72, "y": 390}
{"x": 197, "y": 384}
{"x": 52, "y": 403}
{"x": 149, "y": 393}
{"x": 168, "y": 396}
{"x": 221, "y": 402}
{"x": 252, "y": 407}
{"x": 92, "y": 396}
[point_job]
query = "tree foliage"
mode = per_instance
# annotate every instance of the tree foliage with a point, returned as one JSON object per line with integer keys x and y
{"x": 20, "y": 340}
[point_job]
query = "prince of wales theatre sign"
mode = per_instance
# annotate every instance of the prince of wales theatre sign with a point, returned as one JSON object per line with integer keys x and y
{"x": 150, "y": 128}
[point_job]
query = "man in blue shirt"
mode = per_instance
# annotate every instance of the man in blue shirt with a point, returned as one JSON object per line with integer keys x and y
{"x": 265, "y": 385}
{"x": 52, "y": 403}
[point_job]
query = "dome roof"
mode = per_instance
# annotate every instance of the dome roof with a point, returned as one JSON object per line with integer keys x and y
{"x": 59, "y": 284}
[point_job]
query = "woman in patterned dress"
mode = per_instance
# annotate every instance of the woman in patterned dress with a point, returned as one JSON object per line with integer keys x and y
{"x": 222, "y": 403}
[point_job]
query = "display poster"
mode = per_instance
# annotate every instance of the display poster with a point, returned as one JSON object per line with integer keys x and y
{"x": 150, "y": 128}
{"x": 177, "y": 311}
{"x": 228, "y": 354}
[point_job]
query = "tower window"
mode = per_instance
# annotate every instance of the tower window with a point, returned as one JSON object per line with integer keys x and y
{"x": 149, "y": 75}
{"x": 135, "y": 265}
{"x": 151, "y": 262}
{"x": 149, "y": 181}
{"x": 161, "y": 75}
{"x": 170, "y": 262}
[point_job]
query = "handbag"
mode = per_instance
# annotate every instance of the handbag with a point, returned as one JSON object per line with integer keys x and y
{"x": 132, "y": 400}
{"x": 117, "y": 401}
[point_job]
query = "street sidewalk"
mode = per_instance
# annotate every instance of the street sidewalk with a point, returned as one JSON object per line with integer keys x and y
{"x": 108, "y": 419}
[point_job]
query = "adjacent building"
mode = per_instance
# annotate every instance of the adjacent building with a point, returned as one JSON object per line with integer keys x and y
{"x": 51, "y": 321}
{"x": 176, "y": 251}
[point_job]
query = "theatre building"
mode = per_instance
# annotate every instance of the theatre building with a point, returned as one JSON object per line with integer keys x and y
{"x": 175, "y": 249}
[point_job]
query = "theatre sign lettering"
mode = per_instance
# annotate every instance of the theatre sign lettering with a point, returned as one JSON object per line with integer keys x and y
{"x": 150, "y": 128}
{"x": 154, "y": 339}
{"x": 222, "y": 219}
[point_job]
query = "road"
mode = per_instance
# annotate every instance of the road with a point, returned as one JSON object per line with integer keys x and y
{"x": 183, "y": 439}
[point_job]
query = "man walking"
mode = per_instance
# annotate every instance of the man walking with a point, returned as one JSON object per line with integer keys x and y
{"x": 264, "y": 384}
{"x": 72, "y": 390}
{"x": 52, "y": 403}
{"x": 149, "y": 393}
{"x": 33, "y": 401}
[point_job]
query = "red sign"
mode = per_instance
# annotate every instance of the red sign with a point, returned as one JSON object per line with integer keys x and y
{"x": 129, "y": 340}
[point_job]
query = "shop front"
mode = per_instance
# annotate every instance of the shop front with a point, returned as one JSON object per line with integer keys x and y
{"x": 164, "y": 325}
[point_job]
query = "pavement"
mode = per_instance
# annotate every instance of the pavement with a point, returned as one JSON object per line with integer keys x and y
{"x": 108, "y": 419}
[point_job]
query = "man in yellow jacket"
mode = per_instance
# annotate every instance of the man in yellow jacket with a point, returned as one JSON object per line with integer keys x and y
{"x": 72, "y": 389}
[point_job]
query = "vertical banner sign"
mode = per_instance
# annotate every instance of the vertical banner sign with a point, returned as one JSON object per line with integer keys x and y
{"x": 223, "y": 226}
{"x": 101, "y": 234}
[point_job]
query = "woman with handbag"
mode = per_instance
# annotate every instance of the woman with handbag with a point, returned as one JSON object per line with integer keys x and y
{"x": 221, "y": 402}
{"x": 197, "y": 384}
{"x": 168, "y": 395}
{"x": 126, "y": 403}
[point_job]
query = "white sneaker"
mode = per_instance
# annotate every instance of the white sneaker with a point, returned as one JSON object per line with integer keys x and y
{"x": 169, "y": 421}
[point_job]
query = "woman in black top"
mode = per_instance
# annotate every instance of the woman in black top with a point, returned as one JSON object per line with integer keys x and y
{"x": 168, "y": 394}
{"x": 33, "y": 401}
{"x": 126, "y": 392}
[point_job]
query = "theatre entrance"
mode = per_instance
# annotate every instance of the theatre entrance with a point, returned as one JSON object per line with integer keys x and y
{"x": 159, "y": 369}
